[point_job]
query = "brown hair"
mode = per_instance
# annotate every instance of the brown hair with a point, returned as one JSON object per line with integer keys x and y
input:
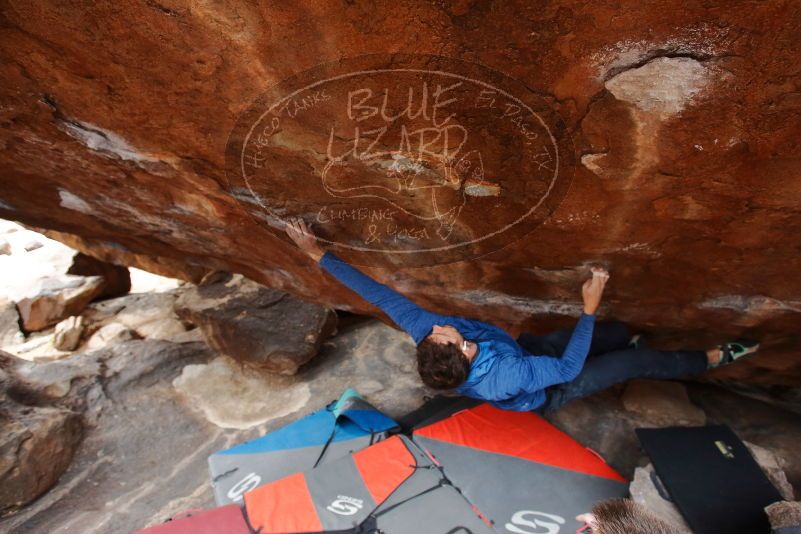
{"x": 441, "y": 366}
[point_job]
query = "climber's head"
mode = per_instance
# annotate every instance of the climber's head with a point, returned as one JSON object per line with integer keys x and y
{"x": 441, "y": 361}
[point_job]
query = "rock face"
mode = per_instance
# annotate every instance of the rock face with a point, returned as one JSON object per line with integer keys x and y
{"x": 110, "y": 334}
{"x": 684, "y": 173}
{"x": 119, "y": 481}
{"x": 208, "y": 387}
{"x": 262, "y": 327}
{"x": 37, "y": 442}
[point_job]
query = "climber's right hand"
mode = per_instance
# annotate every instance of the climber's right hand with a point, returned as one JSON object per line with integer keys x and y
{"x": 304, "y": 238}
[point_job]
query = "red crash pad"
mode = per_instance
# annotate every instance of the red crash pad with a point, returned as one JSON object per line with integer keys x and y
{"x": 228, "y": 519}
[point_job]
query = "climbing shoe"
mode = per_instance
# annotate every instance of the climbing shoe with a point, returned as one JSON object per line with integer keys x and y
{"x": 736, "y": 350}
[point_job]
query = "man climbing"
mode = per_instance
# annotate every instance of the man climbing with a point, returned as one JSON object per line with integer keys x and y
{"x": 482, "y": 361}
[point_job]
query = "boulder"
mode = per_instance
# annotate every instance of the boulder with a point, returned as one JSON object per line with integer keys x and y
{"x": 67, "y": 334}
{"x": 784, "y": 515}
{"x": 150, "y": 315}
{"x": 10, "y": 333}
{"x": 261, "y": 327}
{"x": 109, "y": 321}
{"x": 662, "y": 403}
{"x": 116, "y": 278}
{"x": 37, "y": 441}
{"x": 670, "y": 137}
{"x": 110, "y": 334}
{"x": 36, "y": 446}
{"x": 49, "y": 300}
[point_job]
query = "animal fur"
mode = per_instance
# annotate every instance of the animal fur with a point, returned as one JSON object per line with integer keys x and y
{"x": 624, "y": 516}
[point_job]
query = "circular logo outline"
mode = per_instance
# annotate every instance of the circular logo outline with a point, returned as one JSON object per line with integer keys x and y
{"x": 559, "y": 173}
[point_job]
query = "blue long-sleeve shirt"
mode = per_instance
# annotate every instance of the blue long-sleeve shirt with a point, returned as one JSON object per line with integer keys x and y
{"x": 503, "y": 373}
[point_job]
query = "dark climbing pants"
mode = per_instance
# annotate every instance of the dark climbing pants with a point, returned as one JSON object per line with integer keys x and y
{"x": 609, "y": 362}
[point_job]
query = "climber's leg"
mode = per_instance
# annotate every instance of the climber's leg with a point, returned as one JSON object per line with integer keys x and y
{"x": 612, "y": 368}
{"x": 607, "y": 336}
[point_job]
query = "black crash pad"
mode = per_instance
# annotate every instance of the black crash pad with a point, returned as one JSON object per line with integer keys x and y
{"x": 711, "y": 477}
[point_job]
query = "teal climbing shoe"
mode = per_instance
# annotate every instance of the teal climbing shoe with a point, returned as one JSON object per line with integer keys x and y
{"x": 736, "y": 350}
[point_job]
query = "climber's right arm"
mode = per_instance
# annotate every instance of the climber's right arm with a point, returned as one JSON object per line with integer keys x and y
{"x": 414, "y": 320}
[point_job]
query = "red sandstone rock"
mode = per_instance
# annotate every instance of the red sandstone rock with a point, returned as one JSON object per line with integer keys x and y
{"x": 48, "y": 301}
{"x": 686, "y": 179}
{"x": 258, "y": 326}
{"x": 116, "y": 278}
{"x": 37, "y": 442}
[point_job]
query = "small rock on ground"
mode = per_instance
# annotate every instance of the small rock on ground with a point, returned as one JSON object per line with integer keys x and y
{"x": 10, "y": 333}
{"x": 67, "y": 334}
{"x": 662, "y": 403}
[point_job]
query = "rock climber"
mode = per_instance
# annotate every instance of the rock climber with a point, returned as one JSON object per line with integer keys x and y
{"x": 542, "y": 373}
